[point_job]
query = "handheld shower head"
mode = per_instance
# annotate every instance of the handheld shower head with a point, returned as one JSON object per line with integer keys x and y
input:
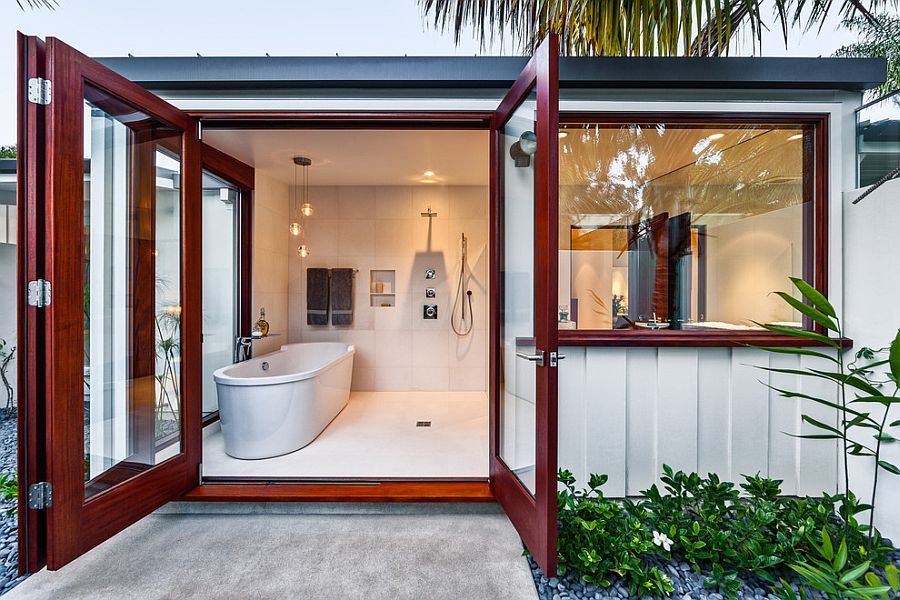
{"x": 462, "y": 322}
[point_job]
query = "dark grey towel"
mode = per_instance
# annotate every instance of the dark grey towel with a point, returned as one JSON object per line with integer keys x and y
{"x": 317, "y": 296}
{"x": 341, "y": 296}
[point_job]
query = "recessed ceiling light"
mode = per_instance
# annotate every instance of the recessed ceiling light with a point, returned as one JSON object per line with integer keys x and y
{"x": 428, "y": 173}
{"x": 563, "y": 134}
{"x": 796, "y": 136}
{"x": 717, "y": 136}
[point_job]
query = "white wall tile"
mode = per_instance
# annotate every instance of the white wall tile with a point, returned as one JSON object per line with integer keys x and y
{"x": 356, "y": 202}
{"x": 393, "y": 202}
{"x": 466, "y": 379}
{"x": 321, "y": 235}
{"x": 429, "y": 349}
{"x": 324, "y": 200}
{"x": 393, "y": 236}
{"x": 393, "y": 379}
{"x": 355, "y": 238}
{"x": 370, "y": 228}
{"x": 393, "y": 348}
{"x": 431, "y": 378}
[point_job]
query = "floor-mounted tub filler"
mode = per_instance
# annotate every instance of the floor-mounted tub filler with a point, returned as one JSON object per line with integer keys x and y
{"x": 280, "y": 402}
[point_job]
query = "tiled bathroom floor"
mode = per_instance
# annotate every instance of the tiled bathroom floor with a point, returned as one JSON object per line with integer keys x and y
{"x": 376, "y": 436}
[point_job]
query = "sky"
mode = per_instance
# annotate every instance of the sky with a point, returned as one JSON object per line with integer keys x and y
{"x": 279, "y": 27}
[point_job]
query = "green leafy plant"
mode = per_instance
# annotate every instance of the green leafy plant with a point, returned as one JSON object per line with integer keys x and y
{"x": 630, "y": 28}
{"x": 6, "y": 355}
{"x": 168, "y": 348}
{"x": 877, "y": 37}
{"x": 9, "y": 486}
{"x": 9, "y": 490}
{"x": 859, "y": 427}
{"x": 601, "y": 538}
{"x": 718, "y": 527}
{"x": 835, "y": 575}
{"x": 8, "y": 151}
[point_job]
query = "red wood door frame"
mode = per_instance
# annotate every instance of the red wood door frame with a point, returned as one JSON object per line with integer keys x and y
{"x": 30, "y": 168}
{"x": 74, "y": 525}
{"x": 534, "y": 516}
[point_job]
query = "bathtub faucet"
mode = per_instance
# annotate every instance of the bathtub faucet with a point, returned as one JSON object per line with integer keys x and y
{"x": 243, "y": 348}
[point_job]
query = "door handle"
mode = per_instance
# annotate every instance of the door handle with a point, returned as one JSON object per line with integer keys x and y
{"x": 537, "y": 357}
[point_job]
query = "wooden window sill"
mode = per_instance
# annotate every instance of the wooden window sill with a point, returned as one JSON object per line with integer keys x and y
{"x": 697, "y": 339}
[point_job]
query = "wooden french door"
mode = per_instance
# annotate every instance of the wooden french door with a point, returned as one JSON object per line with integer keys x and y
{"x": 114, "y": 269}
{"x": 525, "y": 354}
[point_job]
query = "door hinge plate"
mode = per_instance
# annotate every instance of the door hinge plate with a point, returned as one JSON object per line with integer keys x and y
{"x": 39, "y": 90}
{"x": 40, "y": 495}
{"x": 39, "y": 293}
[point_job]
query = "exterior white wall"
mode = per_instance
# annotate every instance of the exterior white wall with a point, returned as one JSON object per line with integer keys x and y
{"x": 627, "y": 411}
{"x": 270, "y": 260}
{"x": 381, "y": 228}
{"x": 871, "y": 318}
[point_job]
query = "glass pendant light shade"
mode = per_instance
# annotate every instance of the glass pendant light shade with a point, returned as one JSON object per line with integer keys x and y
{"x": 300, "y": 206}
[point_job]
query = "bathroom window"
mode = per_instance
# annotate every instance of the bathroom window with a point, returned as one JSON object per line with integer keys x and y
{"x": 686, "y": 224}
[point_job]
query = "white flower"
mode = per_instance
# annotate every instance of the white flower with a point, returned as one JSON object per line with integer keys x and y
{"x": 661, "y": 539}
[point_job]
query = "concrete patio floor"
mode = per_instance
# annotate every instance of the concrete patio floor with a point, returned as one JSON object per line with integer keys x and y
{"x": 376, "y": 551}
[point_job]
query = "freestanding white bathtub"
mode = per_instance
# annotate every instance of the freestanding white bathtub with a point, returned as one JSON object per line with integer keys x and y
{"x": 279, "y": 402}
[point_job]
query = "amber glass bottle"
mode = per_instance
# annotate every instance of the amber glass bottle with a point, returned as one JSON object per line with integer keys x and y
{"x": 263, "y": 324}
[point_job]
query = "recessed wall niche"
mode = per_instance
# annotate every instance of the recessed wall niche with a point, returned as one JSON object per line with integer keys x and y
{"x": 382, "y": 288}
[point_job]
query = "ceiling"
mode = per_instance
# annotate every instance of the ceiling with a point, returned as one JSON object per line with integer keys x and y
{"x": 362, "y": 157}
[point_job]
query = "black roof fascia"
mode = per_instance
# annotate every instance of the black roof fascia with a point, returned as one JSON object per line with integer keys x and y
{"x": 211, "y": 73}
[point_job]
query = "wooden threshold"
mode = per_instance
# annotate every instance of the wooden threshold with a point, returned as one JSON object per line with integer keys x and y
{"x": 384, "y": 491}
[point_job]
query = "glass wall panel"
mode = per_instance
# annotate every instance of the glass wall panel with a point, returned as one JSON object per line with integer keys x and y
{"x": 877, "y": 139}
{"x": 132, "y": 292}
{"x": 685, "y": 226}
{"x": 220, "y": 317}
{"x": 517, "y": 378}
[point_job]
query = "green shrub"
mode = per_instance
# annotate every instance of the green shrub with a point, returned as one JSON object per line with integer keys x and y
{"x": 9, "y": 486}
{"x": 706, "y": 522}
{"x": 599, "y": 538}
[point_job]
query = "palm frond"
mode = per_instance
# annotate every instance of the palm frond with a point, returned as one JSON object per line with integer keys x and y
{"x": 632, "y": 27}
{"x": 50, "y": 4}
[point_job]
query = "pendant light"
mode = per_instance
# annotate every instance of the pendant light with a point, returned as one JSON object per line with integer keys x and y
{"x": 300, "y": 207}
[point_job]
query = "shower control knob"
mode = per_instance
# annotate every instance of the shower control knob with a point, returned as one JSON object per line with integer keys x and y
{"x": 430, "y": 293}
{"x": 430, "y": 273}
{"x": 430, "y": 311}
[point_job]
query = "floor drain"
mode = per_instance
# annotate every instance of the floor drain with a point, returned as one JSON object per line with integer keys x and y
{"x": 423, "y": 423}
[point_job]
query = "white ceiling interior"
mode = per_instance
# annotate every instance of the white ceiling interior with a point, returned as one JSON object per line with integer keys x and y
{"x": 362, "y": 156}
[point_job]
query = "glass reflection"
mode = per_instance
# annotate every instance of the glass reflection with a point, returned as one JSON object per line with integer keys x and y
{"x": 683, "y": 226}
{"x": 517, "y": 377}
{"x": 132, "y": 292}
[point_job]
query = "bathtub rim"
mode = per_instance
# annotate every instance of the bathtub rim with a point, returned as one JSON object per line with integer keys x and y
{"x": 222, "y": 378}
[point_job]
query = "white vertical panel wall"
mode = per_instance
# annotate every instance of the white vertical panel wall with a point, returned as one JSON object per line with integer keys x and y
{"x": 627, "y": 411}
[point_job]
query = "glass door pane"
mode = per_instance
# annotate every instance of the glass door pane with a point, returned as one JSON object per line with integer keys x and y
{"x": 517, "y": 378}
{"x": 525, "y": 335}
{"x": 132, "y": 292}
{"x": 220, "y": 323}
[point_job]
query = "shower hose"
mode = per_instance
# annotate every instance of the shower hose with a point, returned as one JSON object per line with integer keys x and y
{"x": 460, "y": 320}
